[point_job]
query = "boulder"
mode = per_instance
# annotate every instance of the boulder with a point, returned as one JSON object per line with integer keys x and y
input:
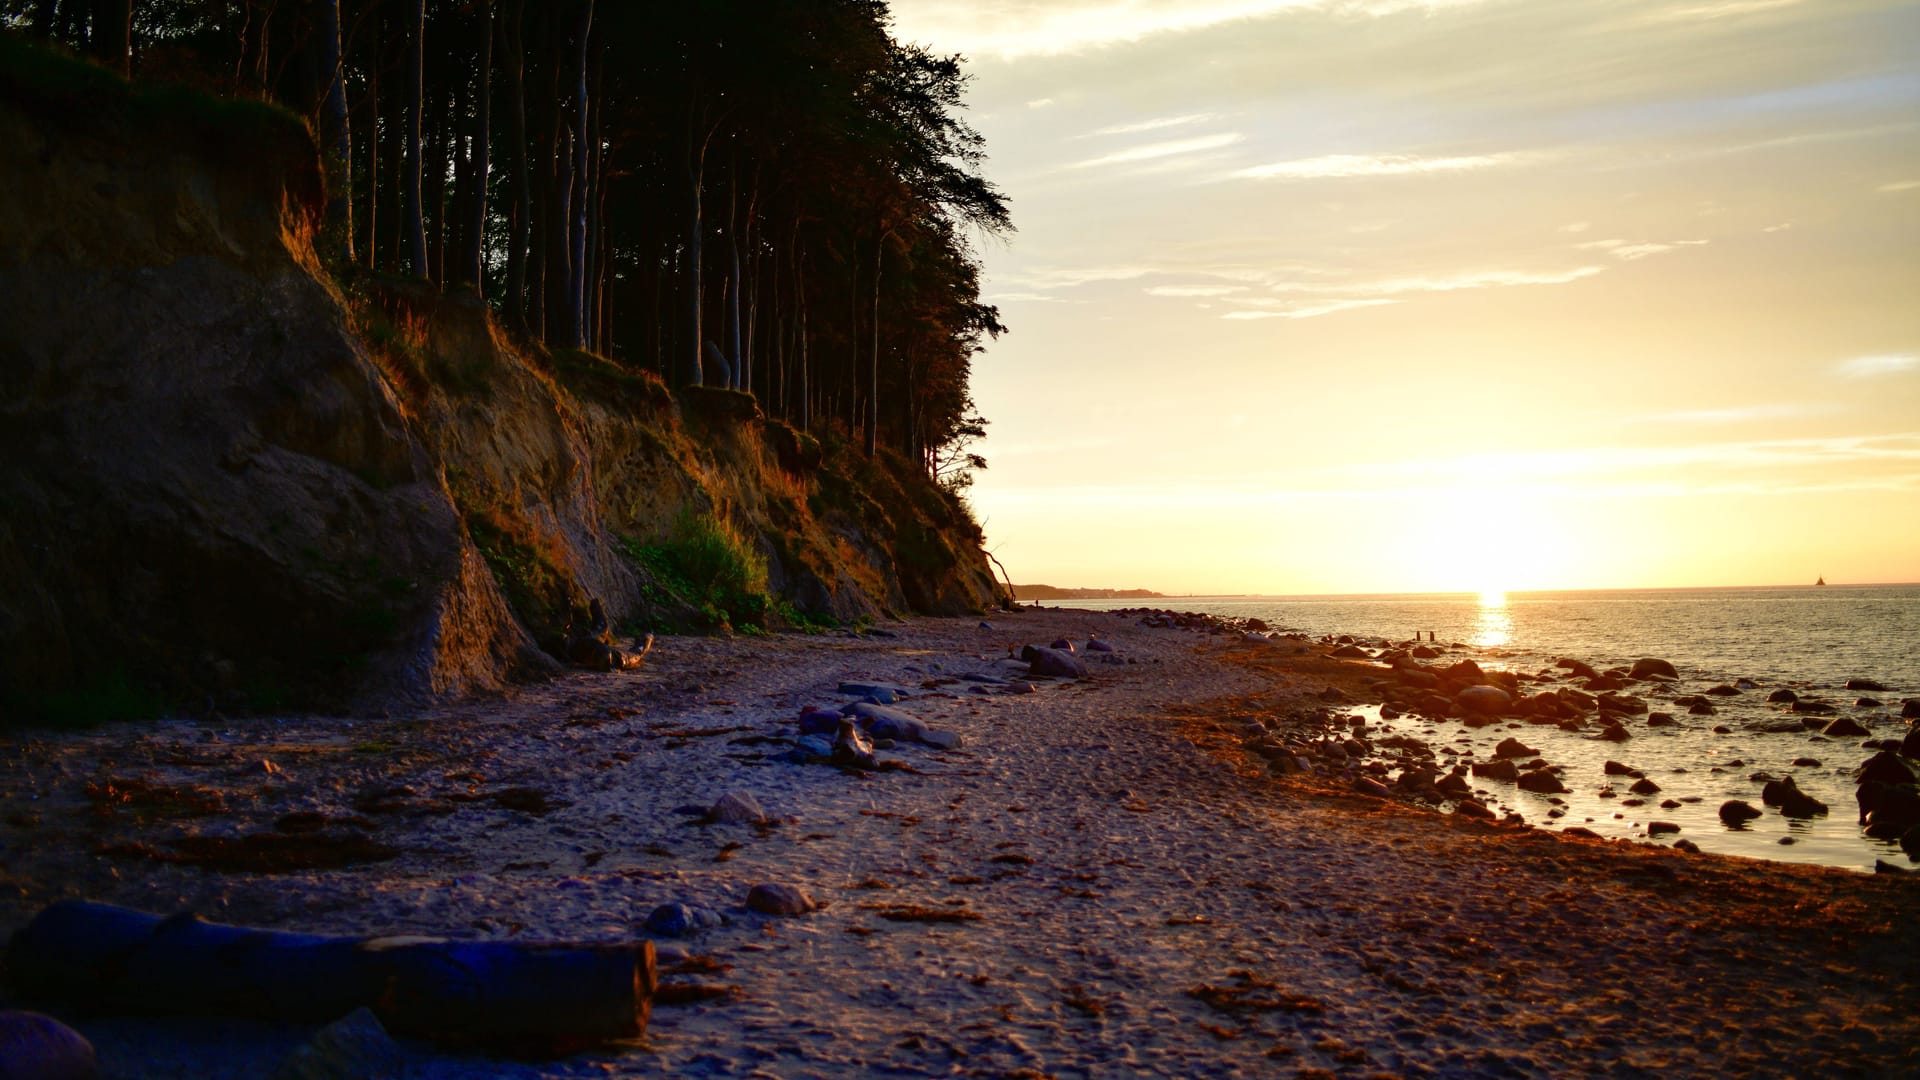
{"x": 736, "y": 808}
{"x": 1514, "y": 748}
{"x": 1865, "y": 684}
{"x": 1735, "y": 814}
{"x": 1367, "y": 785}
{"x": 1542, "y": 782}
{"x": 1647, "y": 667}
{"x": 779, "y": 899}
{"x": 819, "y": 721}
{"x": 1910, "y": 708}
{"x": 1484, "y": 700}
{"x": 1620, "y": 703}
{"x": 1351, "y": 652}
{"x": 1617, "y": 768}
{"x": 1062, "y": 644}
{"x": 1579, "y": 668}
{"x": 1845, "y": 728}
{"x": 680, "y": 920}
{"x": 1614, "y": 732}
{"x": 1053, "y": 663}
{"x": 850, "y": 747}
{"x": 1723, "y": 690}
{"x": 1657, "y": 828}
{"x": 1424, "y": 652}
{"x": 1644, "y": 786}
{"x": 354, "y": 1046}
{"x": 942, "y": 740}
{"x": 1910, "y": 745}
{"x": 1810, "y": 708}
{"x": 34, "y": 1046}
{"x": 882, "y": 722}
{"x": 1503, "y": 769}
{"x": 1885, "y": 768}
{"x": 814, "y": 746}
{"x": 1472, "y": 808}
{"x": 1783, "y": 695}
{"x": 1660, "y": 719}
{"x": 1096, "y": 645}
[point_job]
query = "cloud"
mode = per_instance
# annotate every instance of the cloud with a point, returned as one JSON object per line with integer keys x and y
{"x": 1576, "y": 227}
{"x": 1867, "y": 367}
{"x": 1308, "y": 312}
{"x": 1898, "y": 185}
{"x": 1039, "y": 103}
{"x": 1195, "y": 290}
{"x": 1171, "y": 148}
{"x": 1726, "y": 9}
{"x": 1739, "y": 415}
{"x": 1477, "y": 279}
{"x": 1150, "y": 125}
{"x": 1023, "y": 297}
{"x": 1012, "y": 29}
{"x": 1351, "y": 166}
{"x": 1626, "y": 252}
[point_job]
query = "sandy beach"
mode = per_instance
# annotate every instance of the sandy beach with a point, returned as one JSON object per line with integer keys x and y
{"x": 1099, "y": 881}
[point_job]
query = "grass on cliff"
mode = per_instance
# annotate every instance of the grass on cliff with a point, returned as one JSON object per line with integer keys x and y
{"x": 706, "y": 564}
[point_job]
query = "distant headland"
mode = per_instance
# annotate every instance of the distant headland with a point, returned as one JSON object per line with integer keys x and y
{"x": 1053, "y": 592}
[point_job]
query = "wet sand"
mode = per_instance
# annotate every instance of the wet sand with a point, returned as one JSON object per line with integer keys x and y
{"x": 1131, "y": 893}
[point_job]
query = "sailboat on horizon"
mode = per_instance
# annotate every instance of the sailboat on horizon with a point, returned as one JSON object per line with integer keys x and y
{"x": 1820, "y": 579}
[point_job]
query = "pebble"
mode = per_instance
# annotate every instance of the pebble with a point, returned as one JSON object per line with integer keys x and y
{"x": 737, "y": 808}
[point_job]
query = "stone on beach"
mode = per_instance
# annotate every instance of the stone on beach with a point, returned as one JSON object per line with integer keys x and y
{"x": 1782, "y": 695}
{"x": 351, "y": 1048}
{"x": 1502, "y": 769}
{"x": 1865, "y": 684}
{"x": 679, "y": 920}
{"x": 1736, "y": 813}
{"x": 1514, "y": 748}
{"x": 1053, "y": 663}
{"x": 737, "y": 808}
{"x": 1542, "y": 782}
{"x": 1845, "y": 728}
{"x": 776, "y": 898}
{"x": 882, "y": 722}
{"x": 1885, "y": 768}
{"x": 850, "y": 747}
{"x": 34, "y": 1046}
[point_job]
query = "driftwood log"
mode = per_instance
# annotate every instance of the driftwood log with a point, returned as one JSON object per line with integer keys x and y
{"x": 524, "y": 996}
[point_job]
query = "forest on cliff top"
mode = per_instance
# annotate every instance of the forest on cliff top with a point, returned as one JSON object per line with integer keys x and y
{"x": 771, "y": 196}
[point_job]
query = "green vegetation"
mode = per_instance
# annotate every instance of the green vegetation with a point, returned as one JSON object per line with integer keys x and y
{"x": 706, "y": 564}
{"x": 528, "y": 570}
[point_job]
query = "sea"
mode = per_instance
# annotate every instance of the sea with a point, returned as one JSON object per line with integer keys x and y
{"x": 1810, "y": 639}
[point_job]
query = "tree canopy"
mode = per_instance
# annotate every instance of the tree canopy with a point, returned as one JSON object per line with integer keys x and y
{"x": 772, "y": 196}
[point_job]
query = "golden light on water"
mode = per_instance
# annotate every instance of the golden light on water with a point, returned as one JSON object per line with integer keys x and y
{"x": 1493, "y": 625}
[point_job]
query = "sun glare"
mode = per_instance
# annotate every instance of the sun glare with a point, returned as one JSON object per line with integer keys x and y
{"x": 1493, "y": 598}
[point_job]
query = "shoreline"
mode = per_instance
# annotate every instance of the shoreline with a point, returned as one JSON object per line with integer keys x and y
{"x": 1149, "y": 898}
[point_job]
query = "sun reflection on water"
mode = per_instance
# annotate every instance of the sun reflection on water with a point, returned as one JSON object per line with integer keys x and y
{"x": 1493, "y": 624}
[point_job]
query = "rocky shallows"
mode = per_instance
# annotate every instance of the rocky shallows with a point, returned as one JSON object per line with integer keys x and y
{"x": 1165, "y": 866}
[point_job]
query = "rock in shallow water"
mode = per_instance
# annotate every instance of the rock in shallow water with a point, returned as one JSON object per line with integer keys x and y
{"x": 1650, "y": 666}
{"x": 1736, "y": 813}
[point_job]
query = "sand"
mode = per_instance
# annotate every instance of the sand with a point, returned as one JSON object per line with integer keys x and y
{"x": 1122, "y": 890}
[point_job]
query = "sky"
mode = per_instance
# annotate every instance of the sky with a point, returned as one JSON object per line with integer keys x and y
{"x": 1329, "y": 296}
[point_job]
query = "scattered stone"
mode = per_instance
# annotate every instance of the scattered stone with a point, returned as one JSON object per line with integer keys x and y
{"x": 779, "y": 899}
{"x": 736, "y": 808}
{"x": 1658, "y": 828}
{"x": 942, "y": 740}
{"x": 1644, "y": 786}
{"x": 1053, "y": 663}
{"x": 1910, "y": 709}
{"x": 814, "y": 746}
{"x": 1660, "y": 719}
{"x": 1503, "y": 769}
{"x": 1615, "y": 768}
{"x": 1885, "y": 768}
{"x": 353, "y": 1047}
{"x": 1615, "y": 732}
{"x": 1472, "y": 808}
{"x": 1865, "y": 684}
{"x": 1096, "y": 645}
{"x": 1844, "y": 728}
{"x": 1485, "y": 700}
{"x": 1366, "y": 785}
{"x": 1736, "y": 813}
{"x": 680, "y": 920}
{"x": 850, "y": 747}
{"x": 819, "y": 721}
{"x": 34, "y": 1046}
{"x": 1514, "y": 748}
{"x": 1649, "y": 666}
{"x": 1686, "y": 845}
{"x": 1811, "y": 708}
{"x": 1723, "y": 690}
{"x": 1806, "y": 763}
{"x": 1783, "y": 695}
{"x": 1882, "y": 866}
{"x": 1542, "y": 782}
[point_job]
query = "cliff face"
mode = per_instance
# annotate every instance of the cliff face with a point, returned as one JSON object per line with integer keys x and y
{"x": 224, "y": 475}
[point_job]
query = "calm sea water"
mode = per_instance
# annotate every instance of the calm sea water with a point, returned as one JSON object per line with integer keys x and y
{"x": 1807, "y": 639}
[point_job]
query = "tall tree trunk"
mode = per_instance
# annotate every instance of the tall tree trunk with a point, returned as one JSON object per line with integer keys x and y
{"x": 370, "y": 138}
{"x": 110, "y": 41}
{"x": 873, "y": 357}
{"x": 473, "y": 264}
{"x": 416, "y": 228}
{"x": 250, "y": 79}
{"x": 514, "y": 67}
{"x": 733, "y": 274}
{"x": 336, "y": 137}
{"x": 577, "y": 255}
{"x": 695, "y": 163}
{"x": 439, "y": 146}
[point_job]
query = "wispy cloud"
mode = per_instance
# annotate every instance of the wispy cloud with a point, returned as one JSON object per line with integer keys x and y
{"x": 1867, "y": 367}
{"x": 1170, "y": 148}
{"x": 1726, "y": 9}
{"x": 1350, "y": 166}
{"x": 1039, "y": 103}
{"x": 1023, "y": 297}
{"x": 1196, "y": 290}
{"x": 1150, "y": 125}
{"x": 1898, "y": 185}
{"x": 1308, "y": 311}
{"x": 1477, "y": 279}
{"x": 1740, "y": 415}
